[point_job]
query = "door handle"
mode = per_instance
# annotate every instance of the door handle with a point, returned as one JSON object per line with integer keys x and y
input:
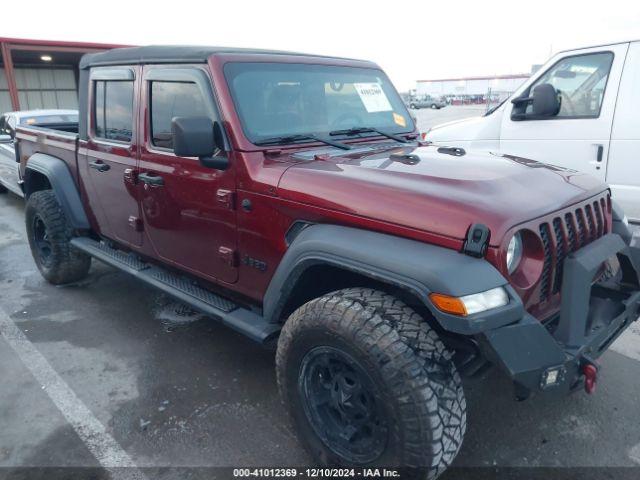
{"x": 155, "y": 180}
{"x": 100, "y": 166}
{"x": 599, "y": 153}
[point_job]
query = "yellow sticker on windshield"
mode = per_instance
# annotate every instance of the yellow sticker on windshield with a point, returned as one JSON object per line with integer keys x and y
{"x": 399, "y": 119}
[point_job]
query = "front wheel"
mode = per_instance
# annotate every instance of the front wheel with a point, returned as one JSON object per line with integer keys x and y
{"x": 49, "y": 236}
{"x": 367, "y": 382}
{"x": 434, "y": 106}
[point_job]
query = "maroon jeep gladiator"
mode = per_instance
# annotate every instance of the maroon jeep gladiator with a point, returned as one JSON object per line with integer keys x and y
{"x": 288, "y": 196}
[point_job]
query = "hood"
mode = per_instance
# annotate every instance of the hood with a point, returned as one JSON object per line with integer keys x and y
{"x": 467, "y": 129}
{"x": 433, "y": 191}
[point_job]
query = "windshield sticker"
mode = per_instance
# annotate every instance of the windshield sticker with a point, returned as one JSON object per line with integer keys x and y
{"x": 373, "y": 97}
{"x": 399, "y": 119}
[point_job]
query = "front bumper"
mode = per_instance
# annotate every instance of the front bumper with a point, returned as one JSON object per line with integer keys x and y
{"x": 592, "y": 317}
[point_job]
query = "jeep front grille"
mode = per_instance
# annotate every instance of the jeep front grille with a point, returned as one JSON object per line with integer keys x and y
{"x": 567, "y": 232}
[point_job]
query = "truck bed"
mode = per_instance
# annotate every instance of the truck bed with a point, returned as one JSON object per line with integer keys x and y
{"x": 57, "y": 140}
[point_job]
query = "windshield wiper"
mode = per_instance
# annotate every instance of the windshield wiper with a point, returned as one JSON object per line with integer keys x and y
{"x": 357, "y": 130}
{"x": 295, "y": 138}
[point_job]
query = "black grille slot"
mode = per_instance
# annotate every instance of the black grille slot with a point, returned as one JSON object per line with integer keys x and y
{"x": 598, "y": 215}
{"x": 592, "y": 226}
{"x": 560, "y": 254}
{"x": 545, "y": 279}
{"x": 571, "y": 233}
{"x": 581, "y": 228}
{"x": 603, "y": 207}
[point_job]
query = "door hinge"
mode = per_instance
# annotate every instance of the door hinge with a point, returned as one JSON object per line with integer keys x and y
{"x": 135, "y": 223}
{"x": 130, "y": 176}
{"x": 225, "y": 198}
{"x": 228, "y": 255}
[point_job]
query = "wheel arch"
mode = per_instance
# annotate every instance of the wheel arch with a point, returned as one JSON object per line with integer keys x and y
{"x": 44, "y": 172}
{"x": 318, "y": 278}
{"x": 324, "y": 258}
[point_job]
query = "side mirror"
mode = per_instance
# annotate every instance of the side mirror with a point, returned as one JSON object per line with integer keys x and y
{"x": 199, "y": 137}
{"x": 6, "y": 138}
{"x": 545, "y": 101}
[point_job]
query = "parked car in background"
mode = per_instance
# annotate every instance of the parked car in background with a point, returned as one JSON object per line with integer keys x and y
{"x": 427, "y": 102}
{"x": 9, "y": 168}
{"x": 580, "y": 111}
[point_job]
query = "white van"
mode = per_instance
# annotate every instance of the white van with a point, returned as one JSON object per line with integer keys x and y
{"x": 581, "y": 110}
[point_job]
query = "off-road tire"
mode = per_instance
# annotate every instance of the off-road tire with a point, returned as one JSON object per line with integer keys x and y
{"x": 409, "y": 365}
{"x": 63, "y": 263}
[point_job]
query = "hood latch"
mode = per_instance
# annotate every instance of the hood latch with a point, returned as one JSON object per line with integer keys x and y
{"x": 477, "y": 241}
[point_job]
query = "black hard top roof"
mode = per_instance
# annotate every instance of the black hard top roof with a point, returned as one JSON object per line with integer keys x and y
{"x": 170, "y": 54}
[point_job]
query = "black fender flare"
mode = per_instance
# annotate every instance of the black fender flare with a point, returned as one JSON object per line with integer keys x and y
{"x": 63, "y": 185}
{"x": 417, "y": 267}
{"x": 618, "y": 226}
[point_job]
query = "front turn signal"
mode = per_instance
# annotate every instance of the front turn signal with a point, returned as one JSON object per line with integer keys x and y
{"x": 470, "y": 304}
{"x": 448, "y": 304}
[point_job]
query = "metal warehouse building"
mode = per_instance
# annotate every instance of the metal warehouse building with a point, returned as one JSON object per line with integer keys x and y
{"x": 470, "y": 86}
{"x": 41, "y": 74}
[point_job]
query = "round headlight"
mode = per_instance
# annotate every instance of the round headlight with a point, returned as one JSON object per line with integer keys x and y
{"x": 514, "y": 252}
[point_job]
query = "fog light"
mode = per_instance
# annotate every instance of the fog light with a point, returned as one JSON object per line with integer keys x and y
{"x": 552, "y": 377}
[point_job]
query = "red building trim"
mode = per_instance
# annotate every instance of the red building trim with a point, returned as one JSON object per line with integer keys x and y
{"x": 7, "y": 61}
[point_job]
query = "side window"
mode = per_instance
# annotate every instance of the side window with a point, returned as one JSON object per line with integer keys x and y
{"x": 7, "y": 125}
{"x": 4, "y": 128}
{"x": 113, "y": 110}
{"x": 580, "y": 82}
{"x": 169, "y": 100}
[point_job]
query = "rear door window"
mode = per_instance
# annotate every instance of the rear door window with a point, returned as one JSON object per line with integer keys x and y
{"x": 113, "y": 110}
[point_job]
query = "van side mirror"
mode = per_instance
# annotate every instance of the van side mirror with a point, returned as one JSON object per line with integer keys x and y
{"x": 544, "y": 103}
{"x": 5, "y": 138}
{"x": 199, "y": 137}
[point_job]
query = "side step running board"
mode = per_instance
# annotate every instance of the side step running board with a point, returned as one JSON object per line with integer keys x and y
{"x": 182, "y": 289}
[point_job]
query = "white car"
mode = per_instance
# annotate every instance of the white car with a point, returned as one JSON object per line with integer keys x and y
{"x": 581, "y": 111}
{"x": 9, "y": 172}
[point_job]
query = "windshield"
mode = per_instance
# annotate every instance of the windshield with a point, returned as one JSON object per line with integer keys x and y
{"x": 49, "y": 118}
{"x": 280, "y": 100}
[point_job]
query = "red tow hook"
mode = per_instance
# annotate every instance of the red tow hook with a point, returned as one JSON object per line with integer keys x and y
{"x": 590, "y": 372}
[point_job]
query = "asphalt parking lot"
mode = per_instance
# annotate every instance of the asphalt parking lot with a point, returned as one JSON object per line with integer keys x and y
{"x": 107, "y": 372}
{"x": 428, "y": 118}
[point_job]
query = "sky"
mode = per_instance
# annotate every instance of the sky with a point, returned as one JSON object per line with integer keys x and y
{"x": 409, "y": 39}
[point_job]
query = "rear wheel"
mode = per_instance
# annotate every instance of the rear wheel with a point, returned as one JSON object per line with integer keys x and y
{"x": 368, "y": 383}
{"x": 49, "y": 236}
{"x": 434, "y": 106}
